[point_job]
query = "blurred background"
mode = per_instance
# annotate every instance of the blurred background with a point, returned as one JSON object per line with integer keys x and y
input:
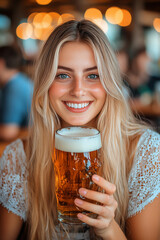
{"x": 132, "y": 27}
{"x": 127, "y": 23}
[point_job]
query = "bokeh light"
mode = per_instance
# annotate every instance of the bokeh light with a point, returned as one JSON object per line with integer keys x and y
{"x": 24, "y": 30}
{"x": 55, "y": 17}
{"x": 127, "y": 18}
{"x": 47, "y": 31}
{"x": 38, "y": 19}
{"x": 65, "y": 17}
{"x": 37, "y": 34}
{"x": 114, "y": 15}
{"x": 156, "y": 24}
{"x": 92, "y": 13}
{"x": 31, "y": 17}
{"x": 42, "y": 33}
{"x": 43, "y": 23}
{"x": 47, "y": 20}
{"x": 43, "y": 2}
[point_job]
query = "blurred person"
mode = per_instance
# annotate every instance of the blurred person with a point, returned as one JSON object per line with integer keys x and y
{"x": 16, "y": 94}
{"x": 77, "y": 83}
{"x": 141, "y": 83}
{"x": 123, "y": 61}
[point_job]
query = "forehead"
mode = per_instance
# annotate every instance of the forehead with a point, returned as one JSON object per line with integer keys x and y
{"x": 76, "y": 52}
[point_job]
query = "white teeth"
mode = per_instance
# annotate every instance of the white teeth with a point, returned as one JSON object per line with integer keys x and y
{"x": 75, "y": 105}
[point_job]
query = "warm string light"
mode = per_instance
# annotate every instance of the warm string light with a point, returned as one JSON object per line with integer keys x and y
{"x": 114, "y": 15}
{"x": 95, "y": 15}
{"x": 127, "y": 18}
{"x": 156, "y": 24}
{"x": 65, "y": 17}
{"x": 55, "y": 17}
{"x": 92, "y": 14}
{"x": 24, "y": 30}
{"x": 43, "y": 2}
{"x": 40, "y": 24}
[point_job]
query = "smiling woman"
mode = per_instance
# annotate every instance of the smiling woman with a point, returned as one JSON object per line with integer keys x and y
{"x": 77, "y": 94}
{"x": 77, "y": 82}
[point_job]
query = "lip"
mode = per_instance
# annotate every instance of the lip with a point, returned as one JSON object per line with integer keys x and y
{"x": 77, "y": 110}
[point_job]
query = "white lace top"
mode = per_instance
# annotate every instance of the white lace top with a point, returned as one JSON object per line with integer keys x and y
{"x": 143, "y": 183}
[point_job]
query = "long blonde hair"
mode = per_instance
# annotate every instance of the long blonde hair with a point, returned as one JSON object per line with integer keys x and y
{"x": 116, "y": 123}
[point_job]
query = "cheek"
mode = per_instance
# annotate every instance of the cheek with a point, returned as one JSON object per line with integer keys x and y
{"x": 56, "y": 91}
{"x": 99, "y": 92}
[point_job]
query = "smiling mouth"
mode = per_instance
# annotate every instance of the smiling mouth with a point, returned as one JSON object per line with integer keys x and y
{"x": 77, "y": 106}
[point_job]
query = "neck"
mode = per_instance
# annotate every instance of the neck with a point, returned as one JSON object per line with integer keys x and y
{"x": 92, "y": 123}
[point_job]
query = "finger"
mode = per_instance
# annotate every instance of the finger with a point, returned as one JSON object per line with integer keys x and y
{"x": 101, "y": 224}
{"x": 104, "y": 211}
{"x": 97, "y": 196}
{"x": 109, "y": 188}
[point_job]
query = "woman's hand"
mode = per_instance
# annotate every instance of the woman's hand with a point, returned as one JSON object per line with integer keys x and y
{"x": 106, "y": 209}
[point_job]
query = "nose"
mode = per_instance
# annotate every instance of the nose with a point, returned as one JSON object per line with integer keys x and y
{"x": 78, "y": 87}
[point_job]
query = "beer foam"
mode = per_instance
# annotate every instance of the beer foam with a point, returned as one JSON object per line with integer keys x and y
{"x": 77, "y": 139}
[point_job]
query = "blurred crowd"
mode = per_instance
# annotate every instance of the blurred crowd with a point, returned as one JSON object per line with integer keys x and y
{"x": 16, "y": 90}
{"x": 142, "y": 85}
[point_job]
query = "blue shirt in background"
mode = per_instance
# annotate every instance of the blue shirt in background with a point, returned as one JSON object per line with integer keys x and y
{"x": 15, "y": 101}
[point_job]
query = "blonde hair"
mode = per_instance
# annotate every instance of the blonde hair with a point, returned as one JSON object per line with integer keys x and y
{"x": 116, "y": 123}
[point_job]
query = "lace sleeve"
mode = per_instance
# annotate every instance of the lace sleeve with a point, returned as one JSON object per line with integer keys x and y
{"x": 144, "y": 179}
{"x": 13, "y": 179}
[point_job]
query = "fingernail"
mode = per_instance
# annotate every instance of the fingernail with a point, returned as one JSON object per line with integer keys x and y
{"x": 96, "y": 178}
{"x": 78, "y": 201}
{"x": 82, "y": 191}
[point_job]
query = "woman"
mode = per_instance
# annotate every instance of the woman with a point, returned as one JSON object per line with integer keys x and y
{"x": 77, "y": 82}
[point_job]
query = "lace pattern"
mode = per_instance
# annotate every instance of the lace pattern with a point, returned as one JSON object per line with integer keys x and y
{"x": 13, "y": 179}
{"x": 143, "y": 183}
{"x": 144, "y": 179}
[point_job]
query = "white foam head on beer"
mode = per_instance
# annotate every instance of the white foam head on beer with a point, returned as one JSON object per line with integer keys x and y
{"x": 77, "y": 139}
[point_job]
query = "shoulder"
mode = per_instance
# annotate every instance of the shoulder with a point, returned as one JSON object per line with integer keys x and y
{"x": 148, "y": 147}
{"x": 144, "y": 178}
{"x": 150, "y": 135}
{"x": 25, "y": 80}
{"x": 14, "y": 153}
{"x": 13, "y": 179}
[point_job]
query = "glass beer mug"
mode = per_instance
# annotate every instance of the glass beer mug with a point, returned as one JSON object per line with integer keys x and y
{"x": 76, "y": 159}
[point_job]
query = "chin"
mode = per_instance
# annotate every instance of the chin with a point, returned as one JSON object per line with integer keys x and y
{"x": 77, "y": 123}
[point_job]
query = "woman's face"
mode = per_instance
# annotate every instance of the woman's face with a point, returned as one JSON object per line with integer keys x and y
{"x": 77, "y": 94}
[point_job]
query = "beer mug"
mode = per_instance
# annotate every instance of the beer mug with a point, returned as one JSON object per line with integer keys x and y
{"x": 76, "y": 159}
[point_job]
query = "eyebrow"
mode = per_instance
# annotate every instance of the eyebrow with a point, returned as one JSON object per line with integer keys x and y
{"x": 71, "y": 70}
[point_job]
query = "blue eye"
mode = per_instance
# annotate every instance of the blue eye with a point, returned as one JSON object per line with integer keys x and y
{"x": 93, "y": 76}
{"x": 62, "y": 76}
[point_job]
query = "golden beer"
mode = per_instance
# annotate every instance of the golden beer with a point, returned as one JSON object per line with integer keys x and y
{"x": 77, "y": 158}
